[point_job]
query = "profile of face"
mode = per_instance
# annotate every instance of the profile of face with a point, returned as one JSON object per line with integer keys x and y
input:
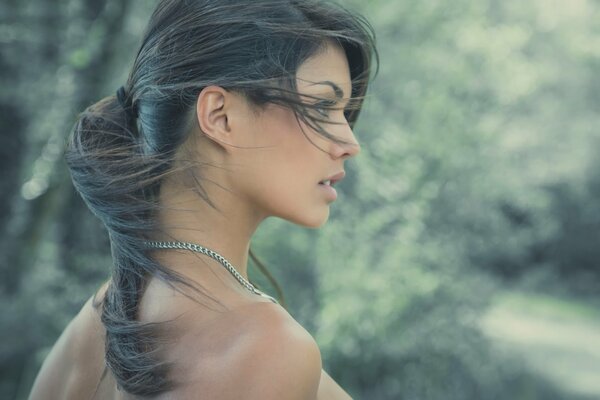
{"x": 278, "y": 162}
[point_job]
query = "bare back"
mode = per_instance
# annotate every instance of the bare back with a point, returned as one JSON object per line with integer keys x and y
{"x": 205, "y": 350}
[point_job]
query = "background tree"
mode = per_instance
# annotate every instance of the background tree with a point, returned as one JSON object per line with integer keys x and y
{"x": 478, "y": 173}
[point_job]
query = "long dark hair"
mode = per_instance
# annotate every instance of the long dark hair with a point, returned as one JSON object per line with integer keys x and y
{"x": 119, "y": 156}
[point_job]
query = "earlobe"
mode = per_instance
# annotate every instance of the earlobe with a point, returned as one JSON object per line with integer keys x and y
{"x": 211, "y": 111}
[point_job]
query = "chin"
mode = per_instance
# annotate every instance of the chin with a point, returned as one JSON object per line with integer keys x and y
{"x": 314, "y": 220}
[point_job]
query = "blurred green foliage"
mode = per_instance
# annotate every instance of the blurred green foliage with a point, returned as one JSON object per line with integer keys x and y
{"x": 478, "y": 169}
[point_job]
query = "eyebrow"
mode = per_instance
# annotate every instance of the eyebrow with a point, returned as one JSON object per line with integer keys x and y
{"x": 339, "y": 93}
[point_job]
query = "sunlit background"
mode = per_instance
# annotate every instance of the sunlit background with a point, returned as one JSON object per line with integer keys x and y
{"x": 460, "y": 260}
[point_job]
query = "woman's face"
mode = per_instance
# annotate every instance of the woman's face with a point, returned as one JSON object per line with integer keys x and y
{"x": 282, "y": 179}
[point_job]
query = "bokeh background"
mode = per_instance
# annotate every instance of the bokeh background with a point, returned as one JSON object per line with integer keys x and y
{"x": 461, "y": 258}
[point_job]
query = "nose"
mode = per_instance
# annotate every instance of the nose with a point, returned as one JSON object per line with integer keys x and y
{"x": 345, "y": 150}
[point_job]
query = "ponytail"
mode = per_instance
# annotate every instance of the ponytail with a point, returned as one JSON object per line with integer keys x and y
{"x": 118, "y": 184}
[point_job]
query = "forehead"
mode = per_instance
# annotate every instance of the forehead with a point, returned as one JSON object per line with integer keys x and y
{"x": 329, "y": 64}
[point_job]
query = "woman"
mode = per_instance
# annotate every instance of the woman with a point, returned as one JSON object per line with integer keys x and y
{"x": 234, "y": 111}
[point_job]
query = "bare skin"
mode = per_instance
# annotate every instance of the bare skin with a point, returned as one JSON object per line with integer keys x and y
{"x": 267, "y": 167}
{"x": 74, "y": 368}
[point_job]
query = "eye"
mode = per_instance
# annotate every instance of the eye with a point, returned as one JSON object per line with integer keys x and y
{"x": 323, "y": 107}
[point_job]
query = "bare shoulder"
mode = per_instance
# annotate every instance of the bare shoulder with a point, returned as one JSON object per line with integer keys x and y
{"x": 69, "y": 370}
{"x": 268, "y": 356}
{"x": 281, "y": 359}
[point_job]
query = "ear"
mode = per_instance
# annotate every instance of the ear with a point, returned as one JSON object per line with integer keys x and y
{"x": 212, "y": 107}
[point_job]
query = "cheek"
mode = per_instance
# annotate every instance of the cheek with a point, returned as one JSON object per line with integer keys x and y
{"x": 293, "y": 150}
{"x": 284, "y": 168}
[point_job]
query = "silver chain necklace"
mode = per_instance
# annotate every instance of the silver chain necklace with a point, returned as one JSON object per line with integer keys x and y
{"x": 214, "y": 255}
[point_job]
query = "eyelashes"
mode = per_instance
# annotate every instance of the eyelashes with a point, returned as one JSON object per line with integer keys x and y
{"x": 323, "y": 107}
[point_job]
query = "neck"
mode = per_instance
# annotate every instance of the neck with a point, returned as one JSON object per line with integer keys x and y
{"x": 186, "y": 217}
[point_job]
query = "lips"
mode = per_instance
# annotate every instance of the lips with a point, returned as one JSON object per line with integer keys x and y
{"x": 333, "y": 179}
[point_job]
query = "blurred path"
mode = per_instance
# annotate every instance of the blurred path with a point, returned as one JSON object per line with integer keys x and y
{"x": 558, "y": 339}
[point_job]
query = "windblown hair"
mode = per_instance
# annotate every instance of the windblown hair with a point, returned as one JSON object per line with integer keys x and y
{"x": 118, "y": 159}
